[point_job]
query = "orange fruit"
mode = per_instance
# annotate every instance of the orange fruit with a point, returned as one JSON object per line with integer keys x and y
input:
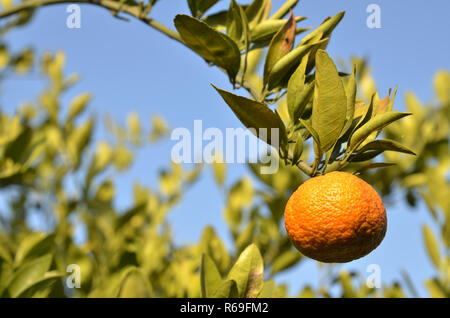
{"x": 335, "y": 218}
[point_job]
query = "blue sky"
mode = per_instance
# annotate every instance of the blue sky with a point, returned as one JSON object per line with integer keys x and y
{"x": 128, "y": 66}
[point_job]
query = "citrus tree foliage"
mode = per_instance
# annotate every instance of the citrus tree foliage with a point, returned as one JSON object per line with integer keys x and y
{"x": 51, "y": 165}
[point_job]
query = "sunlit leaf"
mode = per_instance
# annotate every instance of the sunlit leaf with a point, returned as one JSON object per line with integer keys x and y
{"x": 248, "y": 272}
{"x": 432, "y": 246}
{"x": 209, "y": 276}
{"x": 330, "y": 102}
{"x": 281, "y": 44}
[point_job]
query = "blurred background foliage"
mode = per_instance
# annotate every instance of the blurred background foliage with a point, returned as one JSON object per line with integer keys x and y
{"x": 51, "y": 166}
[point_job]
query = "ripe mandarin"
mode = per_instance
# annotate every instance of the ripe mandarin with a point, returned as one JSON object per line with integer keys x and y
{"x": 335, "y": 218}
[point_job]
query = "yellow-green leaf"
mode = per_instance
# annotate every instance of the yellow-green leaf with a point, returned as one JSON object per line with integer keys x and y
{"x": 248, "y": 272}
{"x": 330, "y": 102}
{"x": 209, "y": 277}
{"x": 432, "y": 246}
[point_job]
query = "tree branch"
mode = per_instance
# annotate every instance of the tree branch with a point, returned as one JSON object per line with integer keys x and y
{"x": 114, "y": 6}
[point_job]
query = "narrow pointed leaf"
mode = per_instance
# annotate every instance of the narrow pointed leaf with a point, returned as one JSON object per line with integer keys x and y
{"x": 284, "y": 9}
{"x": 288, "y": 63}
{"x": 374, "y": 166}
{"x": 432, "y": 246}
{"x": 326, "y": 27}
{"x": 351, "y": 99}
{"x": 302, "y": 100}
{"x": 311, "y": 131}
{"x": 210, "y": 278}
{"x": 281, "y": 44}
{"x": 376, "y": 123}
{"x": 386, "y": 144}
{"x": 257, "y": 11}
{"x": 295, "y": 88}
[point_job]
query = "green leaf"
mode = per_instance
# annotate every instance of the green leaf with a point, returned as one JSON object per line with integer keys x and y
{"x": 374, "y": 166}
{"x": 374, "y": 124}
{"x": 199, "y": 7}
{"x": 432, "y": 245}
{"x": 213, "y": 246}
{"x": 248, "y": 272}
{"x": 301, "y": 101}
{"x": 437, "y": 289}
{"x": 351, "y": 99}
{"x": 135, "y": 285}
{"x": 77, "y": 105}
{"x": 228, "y": 289}
{"x": 364, "y": 156}
{"x": 307, "y": 292}
{"x": 29, "y": 274}
{"x": 257, "y": 11}
{"x": 210, "y": 44}
{"x": 311, "y": 131}
{"x": 5, "y": 254}
{"x": 386, "y": 144}
{"x": 252, "y": 114}
{"x": 330, "y": 102}
{"x": 296, "y": 87}
{"x": 41, "y": 288}
{"x": 281, "y": 44}
{"x": 346, "y": 282}
{"x": 325, "y": 28}
{"x": 298, "y": 150}
{"x": 35, "y": 244}
{"x": 268, "y": 289}
{"x": 237, "y": 25}
{"x": 217, "y": 20}
{"x": 284, "y": 9}
{"x": 209, "y": 277}
{"x": 288, "y": 63}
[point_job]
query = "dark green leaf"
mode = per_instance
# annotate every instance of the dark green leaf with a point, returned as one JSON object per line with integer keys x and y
{"x": 386, "y": 144}
{"x": 199, "y": 7}
{"x": 374, "y": 166}
{"x": 252, "y": 114}
{"x": 210, "y": 44}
